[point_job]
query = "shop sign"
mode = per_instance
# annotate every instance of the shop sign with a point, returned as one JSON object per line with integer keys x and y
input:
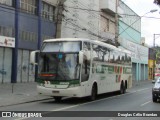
{"x": 138, "y": 52}
{"x": 7, "y": 41}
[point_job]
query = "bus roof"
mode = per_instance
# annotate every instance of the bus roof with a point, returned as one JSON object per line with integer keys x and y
{"x": 89, "y": 40}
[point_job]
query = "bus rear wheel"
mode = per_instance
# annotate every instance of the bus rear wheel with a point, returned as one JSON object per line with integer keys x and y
{"x": 93, "y": 93}
{"x": 122, "y": 88}
{"x": 57, "y": 98}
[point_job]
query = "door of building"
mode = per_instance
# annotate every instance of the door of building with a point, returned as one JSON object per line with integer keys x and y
{"x": 134, "y": 71}
{"x": 142, "y": 72}
{"x": 5, "y": 64}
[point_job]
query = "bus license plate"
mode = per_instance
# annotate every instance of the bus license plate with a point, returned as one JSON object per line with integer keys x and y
{"x": 55, "y": 91}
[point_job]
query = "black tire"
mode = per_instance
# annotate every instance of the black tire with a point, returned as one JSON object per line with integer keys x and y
{"x": 126, "y": 84}
{"x": 154, "y": 98}
{"x": 57, "y": 98}
{"x": 93, "y": 93}
{"x": 122, "y": 88}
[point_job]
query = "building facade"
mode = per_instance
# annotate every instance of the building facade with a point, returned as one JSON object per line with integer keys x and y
{"x": 93, "y": 19}
{"x": 24, "y": 24}
{"x": 80, "y": 19}
{"x": 130, "y": 34}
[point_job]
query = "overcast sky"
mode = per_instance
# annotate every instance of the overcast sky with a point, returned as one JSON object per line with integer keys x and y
{"x": 149, "y": 26}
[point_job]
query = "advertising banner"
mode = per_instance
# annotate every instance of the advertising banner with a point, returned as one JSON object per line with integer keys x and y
{"x": 7, "y": 41}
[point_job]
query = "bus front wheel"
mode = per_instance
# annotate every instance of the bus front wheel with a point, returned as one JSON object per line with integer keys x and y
{"x": 93, "y": 93}
{"x": 57, "y": 98}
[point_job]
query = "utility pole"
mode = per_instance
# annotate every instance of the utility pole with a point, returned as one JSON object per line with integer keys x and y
{"x": 58, "y": 17}
{"x": 15, "y": 50}
{"x": 154, "y": 56}
{"x": 154, "y": 50}
{"x": 116, "y": 24}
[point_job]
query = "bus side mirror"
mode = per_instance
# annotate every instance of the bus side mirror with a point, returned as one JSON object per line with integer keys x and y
{"x": 88, "y": 55}
{"x": 80, "y": 57}
{"x": 33, "y": 57}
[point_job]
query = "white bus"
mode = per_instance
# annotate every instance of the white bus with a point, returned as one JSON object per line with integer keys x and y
{"x": 77, "y": 67}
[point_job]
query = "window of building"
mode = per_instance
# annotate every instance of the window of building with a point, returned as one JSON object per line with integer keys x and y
{"x": 32, "y": 37}
{"x": 0, "y": 30}
{"x": 112, "y": 27}
{"x": 6, "y": 2}
{"x": 104, "y": 24}
{"x": 6, "y": 31}
{"x": 9, "y": 31}
{"x": 3, "y": 31}
{"x": 28, "y": 36}
{"x": 13, "y": 32}
{"x": 29, "y": 6}
{"x": 48, "y": 11}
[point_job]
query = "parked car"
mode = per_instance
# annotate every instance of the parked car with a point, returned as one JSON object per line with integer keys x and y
{"x": 156, "y": 76}
{"x": 156, "y": 90}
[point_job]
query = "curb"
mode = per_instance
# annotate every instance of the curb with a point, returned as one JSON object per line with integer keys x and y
{"x": 31, "y": 101}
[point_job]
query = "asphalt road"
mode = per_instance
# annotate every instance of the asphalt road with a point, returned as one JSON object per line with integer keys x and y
{"x": 139, "y": 99}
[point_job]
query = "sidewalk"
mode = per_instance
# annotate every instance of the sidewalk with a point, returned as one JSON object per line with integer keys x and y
{"x": 136, "y": 85}
{"x": 18, "y": 93}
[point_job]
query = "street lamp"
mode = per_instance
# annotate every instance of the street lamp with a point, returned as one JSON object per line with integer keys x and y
{"x": 154, "y": 10}
{"x": 151, "y": 11}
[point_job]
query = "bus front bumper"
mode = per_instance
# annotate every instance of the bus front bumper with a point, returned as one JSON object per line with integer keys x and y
{"x": 68, "y": 92}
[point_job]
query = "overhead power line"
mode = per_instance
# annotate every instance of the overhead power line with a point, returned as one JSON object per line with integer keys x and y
{"x": 88, "y": 31}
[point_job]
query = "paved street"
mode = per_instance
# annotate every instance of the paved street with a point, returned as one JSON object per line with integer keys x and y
{"x": 136, "y": 99}
{"x": 19, "y": 93}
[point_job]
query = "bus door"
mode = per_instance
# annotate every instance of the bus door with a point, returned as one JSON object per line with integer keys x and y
{"x": 85, "y": 71}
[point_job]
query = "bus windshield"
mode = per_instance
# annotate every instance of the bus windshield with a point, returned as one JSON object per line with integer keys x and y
{"x": 58, "y": 66}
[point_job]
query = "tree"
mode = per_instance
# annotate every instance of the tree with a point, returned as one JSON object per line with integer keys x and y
{"x": 157, "y": 2}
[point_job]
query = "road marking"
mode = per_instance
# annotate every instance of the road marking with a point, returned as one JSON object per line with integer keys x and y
{"x": 142, "y": 89}
{"x": 64, "y": 108}
{"x": 145, "y": 103}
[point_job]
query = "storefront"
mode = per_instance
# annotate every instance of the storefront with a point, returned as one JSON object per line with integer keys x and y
{"x": 25, "y": 70}
{"x": 6, "y": 45}
{"x": 139, "y": 59}
{"x": 22, "y": 30}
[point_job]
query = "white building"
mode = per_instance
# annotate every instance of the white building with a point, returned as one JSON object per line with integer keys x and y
{"x": 93, "y": 19}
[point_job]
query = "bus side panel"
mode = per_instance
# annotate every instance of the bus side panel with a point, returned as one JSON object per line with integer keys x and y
{"x": 108, "y": 78}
